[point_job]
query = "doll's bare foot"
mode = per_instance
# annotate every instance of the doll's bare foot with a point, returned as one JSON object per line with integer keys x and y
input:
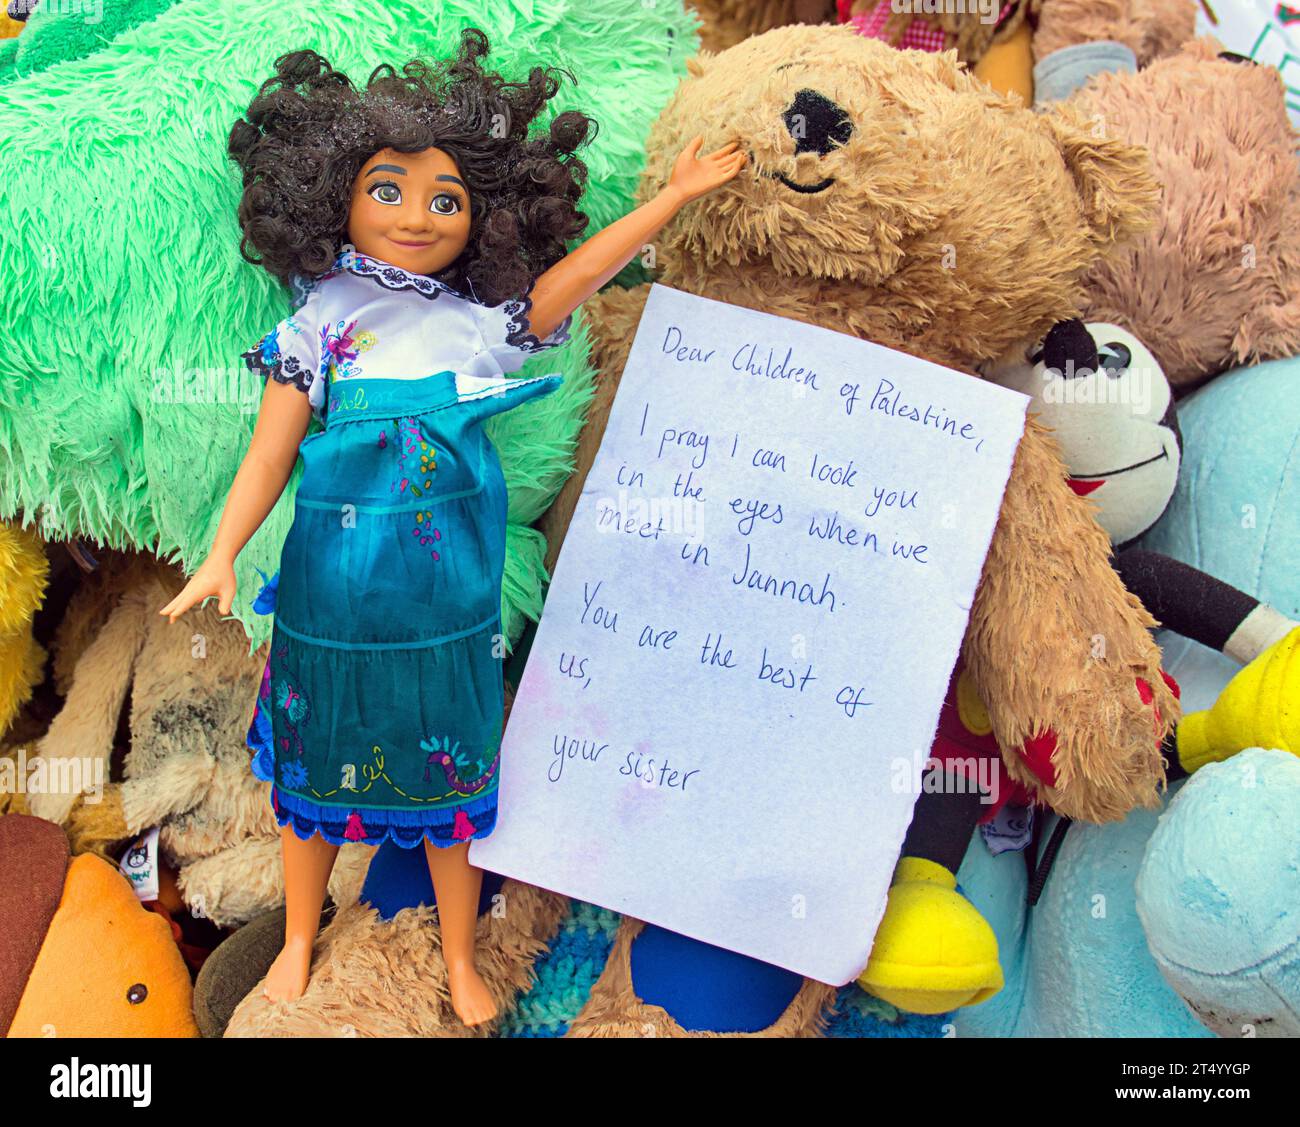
{"x": 470, "y": 997}
{"x": 287, "y": 978}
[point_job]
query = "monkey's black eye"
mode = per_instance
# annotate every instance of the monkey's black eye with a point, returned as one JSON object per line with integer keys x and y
{"x": 137, "y": 994}
{"x": 1233, "y": 57}
{"x": 1114, "y": 358}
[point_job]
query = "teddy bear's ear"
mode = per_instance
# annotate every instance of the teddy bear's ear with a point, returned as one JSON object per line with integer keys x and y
{"x": 1112, "y": 177}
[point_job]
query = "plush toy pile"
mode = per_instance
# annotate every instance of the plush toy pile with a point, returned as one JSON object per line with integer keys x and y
{"x": 1075, "y": 198}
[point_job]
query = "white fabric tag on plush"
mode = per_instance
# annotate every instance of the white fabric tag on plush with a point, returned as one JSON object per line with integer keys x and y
{"x": 139, "y": 864}
{"x": 1011, "y": 829}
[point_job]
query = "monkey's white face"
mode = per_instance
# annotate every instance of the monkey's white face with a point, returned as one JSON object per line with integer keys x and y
{"x": 1106, "y": 398}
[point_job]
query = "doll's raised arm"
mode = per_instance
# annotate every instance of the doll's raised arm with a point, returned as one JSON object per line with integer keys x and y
{"x": 582, "y": 272}
{"x": 281, "y": 424}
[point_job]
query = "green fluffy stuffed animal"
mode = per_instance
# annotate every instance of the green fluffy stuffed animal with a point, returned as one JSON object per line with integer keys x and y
{"x": 124, "y": 407}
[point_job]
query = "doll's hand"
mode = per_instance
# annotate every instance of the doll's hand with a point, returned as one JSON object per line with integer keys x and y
{"x": 694, "y": 175}
{"x": 214, "y": 577}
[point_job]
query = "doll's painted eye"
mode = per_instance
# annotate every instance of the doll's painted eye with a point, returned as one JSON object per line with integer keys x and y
{"x": 445, "y": 205}
{"x": 389, "y": 194}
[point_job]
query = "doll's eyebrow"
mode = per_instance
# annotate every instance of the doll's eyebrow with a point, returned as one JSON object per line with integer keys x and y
{"x": 387, "y": 168}
{"x": 451, "y": 179}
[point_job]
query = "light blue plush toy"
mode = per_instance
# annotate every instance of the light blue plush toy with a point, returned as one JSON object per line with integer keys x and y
{"x": 1185, "y": 922}
{"x": 1218, "y": 891}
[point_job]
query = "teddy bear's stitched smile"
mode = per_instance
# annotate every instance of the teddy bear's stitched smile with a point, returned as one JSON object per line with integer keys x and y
{"x": 806, "y": 189}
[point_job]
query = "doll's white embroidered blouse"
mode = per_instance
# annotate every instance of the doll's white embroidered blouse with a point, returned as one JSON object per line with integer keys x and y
{"x": 370, "y": 318}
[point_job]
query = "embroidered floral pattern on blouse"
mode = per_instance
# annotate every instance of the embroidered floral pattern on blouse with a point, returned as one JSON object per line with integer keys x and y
{"x": 425, "y": 532}
{"x": 340, "y": 345}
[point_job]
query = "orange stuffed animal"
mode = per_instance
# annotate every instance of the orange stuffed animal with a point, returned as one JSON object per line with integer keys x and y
{"x": 79, "y": 955}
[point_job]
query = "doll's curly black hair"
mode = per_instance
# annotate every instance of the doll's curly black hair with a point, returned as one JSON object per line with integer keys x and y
{"x": 309, "y": 131}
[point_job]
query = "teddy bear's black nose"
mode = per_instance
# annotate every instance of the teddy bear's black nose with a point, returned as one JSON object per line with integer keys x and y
{"x": 816, "y": 123}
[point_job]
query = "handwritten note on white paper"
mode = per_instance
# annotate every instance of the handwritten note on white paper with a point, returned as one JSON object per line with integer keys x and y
{"x": 750, "y": 632}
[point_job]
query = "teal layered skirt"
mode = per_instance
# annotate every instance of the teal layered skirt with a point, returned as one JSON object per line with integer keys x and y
{"x": 380, "y": 711}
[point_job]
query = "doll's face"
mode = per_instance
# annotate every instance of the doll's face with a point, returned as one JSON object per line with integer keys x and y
{"x": 410, "y": 209}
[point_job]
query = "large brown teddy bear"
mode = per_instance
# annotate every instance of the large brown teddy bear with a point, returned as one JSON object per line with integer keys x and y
{"x": 1215, "y": 283}
{"x": 918, "y": 209}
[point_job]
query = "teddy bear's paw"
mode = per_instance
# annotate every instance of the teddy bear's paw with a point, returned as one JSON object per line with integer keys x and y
{"x": 53, "y": 806}
{"x": 1101, "y": 756}
{"x": 234, "y": 885}
{"x": 372, "y": 977}
{"x": 933, "y": 952}
{"x": 368, "y": 979}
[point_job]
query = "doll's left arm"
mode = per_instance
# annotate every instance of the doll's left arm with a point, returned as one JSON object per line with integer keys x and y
{"x": 567, "y": 284}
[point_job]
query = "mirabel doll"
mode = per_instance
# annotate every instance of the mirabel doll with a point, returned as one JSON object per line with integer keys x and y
{"x": 436, "y": 227}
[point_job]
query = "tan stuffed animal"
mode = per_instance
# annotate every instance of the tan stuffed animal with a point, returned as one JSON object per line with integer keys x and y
{"x": 191, "y": 695}
{"x": 1151, "y": 29}
{"x": 918, "y": 209}
{"x": 1216, "y": 282}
